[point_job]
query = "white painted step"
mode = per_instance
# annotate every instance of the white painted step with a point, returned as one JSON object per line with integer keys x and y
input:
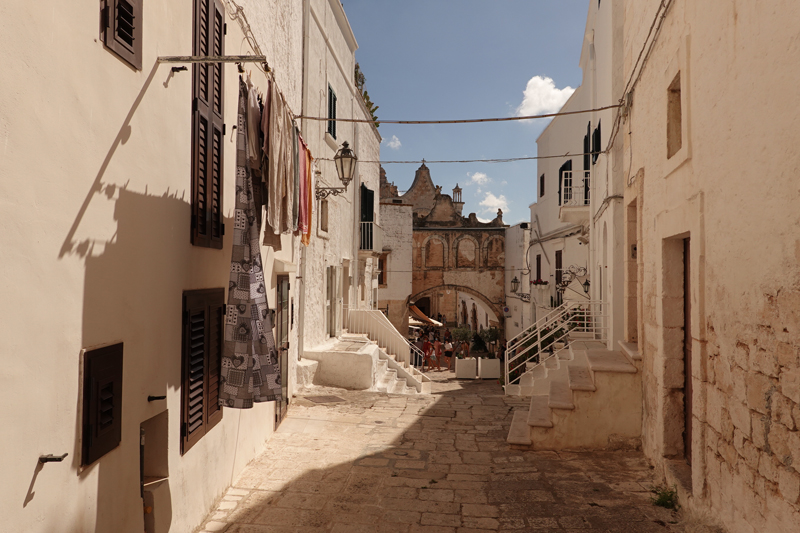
{"x": 539, "y": 414}
{"x": 560, "y": 396}
{"x": 581, "y": 379}
{"x": 389, "y": 378}
{"x": 520, "y": 432}
{"x": 399, "y": 386}
{"x": 609, "y": 361}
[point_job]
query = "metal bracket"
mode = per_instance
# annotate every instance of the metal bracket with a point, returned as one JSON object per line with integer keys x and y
{"x": 50, "y": 458}
{"x": 154, "y": 398}
{"x": 323, "y": 192}
{"x": 216, "y": 59}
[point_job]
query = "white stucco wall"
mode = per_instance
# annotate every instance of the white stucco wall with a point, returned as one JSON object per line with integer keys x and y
{"x": 732, "y": 189}
{"x": 330, "y": 60}
{"x": 95, "y": 181}
{"x": 517, "y": 266}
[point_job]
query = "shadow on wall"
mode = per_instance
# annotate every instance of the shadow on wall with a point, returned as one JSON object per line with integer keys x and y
{"x": 133, "y": 294}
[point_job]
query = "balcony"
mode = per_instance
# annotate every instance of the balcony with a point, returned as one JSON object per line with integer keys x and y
{"x": 575, "y": 191}
{"x": 371, "y": 239}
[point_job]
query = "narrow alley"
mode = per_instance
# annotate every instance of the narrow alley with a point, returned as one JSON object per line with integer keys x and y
{"x": 431, "y": 463}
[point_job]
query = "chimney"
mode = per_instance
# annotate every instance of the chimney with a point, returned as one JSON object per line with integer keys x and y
{"x": 457, "y": 203}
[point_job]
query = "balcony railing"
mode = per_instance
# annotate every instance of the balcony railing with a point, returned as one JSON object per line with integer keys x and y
{"x": 371, "y": 238}
{"x": 574, "y": 190}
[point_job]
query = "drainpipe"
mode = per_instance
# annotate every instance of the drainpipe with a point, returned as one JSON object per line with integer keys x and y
{"x": 301, "y": 283}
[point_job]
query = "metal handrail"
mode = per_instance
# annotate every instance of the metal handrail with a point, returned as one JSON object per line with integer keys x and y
{"x": 587, "y": 317}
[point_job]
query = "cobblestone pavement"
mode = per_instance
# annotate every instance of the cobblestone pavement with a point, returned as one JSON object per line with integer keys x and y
{"x": 439, "y": 463}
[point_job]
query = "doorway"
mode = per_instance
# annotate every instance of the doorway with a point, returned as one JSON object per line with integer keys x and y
{"x": 282, "y": 324}
{"x": 687, "y": 352}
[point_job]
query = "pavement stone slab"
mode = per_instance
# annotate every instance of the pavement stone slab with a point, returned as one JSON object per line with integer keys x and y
{"x": 389, "y": 463}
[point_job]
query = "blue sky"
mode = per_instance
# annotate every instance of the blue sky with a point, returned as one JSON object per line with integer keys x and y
{"x": 447, "y": 59}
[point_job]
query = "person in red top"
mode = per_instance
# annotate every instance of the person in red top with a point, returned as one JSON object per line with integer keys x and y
{"x": 427, "y": 349}
{"x": 437, "y": 344}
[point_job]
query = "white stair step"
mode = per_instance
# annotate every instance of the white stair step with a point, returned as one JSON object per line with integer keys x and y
{"x": 609, "y": 361}
{"x": 520, "y": 432}
{"x": 581, "y": 334}
{"x": 539, "y": 414}
{"x": 581, "y": 379}
{"x": 560, "y": 396}
{"x": 512, "y": 390}
{"x": 527, "y": 379}
{"x": 526, "y": 392}
{"x": 551, "y": 363}
{"x": 399, "y": 386}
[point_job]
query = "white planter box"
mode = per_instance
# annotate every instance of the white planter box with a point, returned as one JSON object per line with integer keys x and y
{"x": 467, "y": 368}
{"x": 488, "y": 368}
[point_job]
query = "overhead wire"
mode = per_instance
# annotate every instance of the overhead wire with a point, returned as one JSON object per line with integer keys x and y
{"x": 502, "y": 160}
{"x": 462, "y": 121}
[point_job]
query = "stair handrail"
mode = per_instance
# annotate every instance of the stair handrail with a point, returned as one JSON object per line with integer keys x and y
{"x": 561, "y": 321}
{"x": 518, "y": 338}
{"x": 371, "y": 323}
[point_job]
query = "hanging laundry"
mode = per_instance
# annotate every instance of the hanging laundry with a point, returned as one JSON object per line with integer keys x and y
{"x": 253, "y": 126}
{"x": 295, "y": 179}
{"x": 276, "y": 190}
{"x": 309, "y": 200}
{"x": 250, "y": 365}
{"x": 302, "y": 215}
{"x": 289, "y": 142}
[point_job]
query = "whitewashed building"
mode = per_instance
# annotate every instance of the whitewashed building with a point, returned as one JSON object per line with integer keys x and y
{"x": 518, "y": 305}
{"x": 113, "y": 229}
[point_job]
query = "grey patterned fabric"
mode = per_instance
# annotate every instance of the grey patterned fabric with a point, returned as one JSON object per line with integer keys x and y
{"x": 250, "y": 364}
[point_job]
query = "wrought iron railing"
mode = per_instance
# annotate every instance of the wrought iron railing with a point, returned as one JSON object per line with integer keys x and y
{"x": 551, "y": 334}
{"x": 371, "y": 239}
{"x": 574, "y": 190}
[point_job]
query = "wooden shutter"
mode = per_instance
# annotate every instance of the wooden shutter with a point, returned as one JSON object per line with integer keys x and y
{"x": 202, "y": 354}
{"x": 122, "y": 29}
{"x": 102, "y": 402}
{"x": 367, "y": 204}
{"x": 331, "y": 112}
{"x": 566, "y": 166}
{"x": 587, "y": 147}
{"x": 207, "y": 126}
{"x": 596, "y": 140}
{"x": 538, "y": 266}
{"x": 541, "y": 185}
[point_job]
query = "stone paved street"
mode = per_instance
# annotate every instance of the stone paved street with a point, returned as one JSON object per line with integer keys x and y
{"x": 438, "y": 463}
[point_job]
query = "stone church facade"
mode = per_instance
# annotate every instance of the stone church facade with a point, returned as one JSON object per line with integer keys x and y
{"x": 451, "y": 254}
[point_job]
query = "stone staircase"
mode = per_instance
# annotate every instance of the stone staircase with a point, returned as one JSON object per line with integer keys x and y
{"x": 393, "y": 376}
{"x": 584, "y": 397}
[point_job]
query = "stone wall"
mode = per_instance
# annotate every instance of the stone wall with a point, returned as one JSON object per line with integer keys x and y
{"x": 738, "y": 208}
{"x": 398, "y": 245}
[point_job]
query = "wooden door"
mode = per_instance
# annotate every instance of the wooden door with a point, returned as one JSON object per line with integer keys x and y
{"x": 687, "y": 352}
{"x": 282, "y": 322}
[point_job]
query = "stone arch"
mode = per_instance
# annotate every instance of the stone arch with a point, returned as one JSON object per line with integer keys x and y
{"x": 466, "y": 251}
{"x": 495, "y": 308}
{"x": 434, "y": 252}
{"x": 494, "y": 252}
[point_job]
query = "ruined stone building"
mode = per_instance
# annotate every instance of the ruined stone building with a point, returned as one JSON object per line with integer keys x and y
{"x": 457, "y": 263}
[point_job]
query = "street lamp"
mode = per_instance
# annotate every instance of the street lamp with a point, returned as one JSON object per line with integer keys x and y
{"x": 514, "y": 284}
{"x": 586, "y": 286}
{"x": 345, "y": 161}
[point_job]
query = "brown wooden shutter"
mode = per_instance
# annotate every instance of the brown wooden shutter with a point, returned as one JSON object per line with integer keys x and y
{"x": 203, "y": 312}
{"x": 207, "y": 126}
{"x": 102, "y": 402}
{"x": 122, "y": 29}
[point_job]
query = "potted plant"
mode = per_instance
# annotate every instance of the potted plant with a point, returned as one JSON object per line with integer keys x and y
{"x": 466, "y": 367}
{"x": 489, "y": 367}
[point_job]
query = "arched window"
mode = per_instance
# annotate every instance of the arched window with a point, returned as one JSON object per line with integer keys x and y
{"x": 467, "y": 253}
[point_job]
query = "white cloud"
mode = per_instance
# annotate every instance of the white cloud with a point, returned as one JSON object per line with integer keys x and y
{"x": 541, "y": 96}
{"x": 393, "y": 143}
{"x": 504, "y": 182}
{"x": 478, "y": 177}
{"x": 492, "y": 203}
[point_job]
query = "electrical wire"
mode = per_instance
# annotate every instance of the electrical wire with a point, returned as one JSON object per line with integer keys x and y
{"x": 504, "y": 160}
{"x": 462, "y": 121}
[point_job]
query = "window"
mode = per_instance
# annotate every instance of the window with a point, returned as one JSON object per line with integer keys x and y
{"x": 121, "y": 29}
{"x": 207, "y": 126}
{"x": 674, "y": 118}
{"x": 587, "y": 147}
{"x": 203, "y": 312}
{"x": 559, "y": 267}
{"x": 565, "y": 183}
{"x": 538, "y": 266}
{"x": 331, "y": 112}
{"x": 102, "y": 402}
{"x": 597, "y": 139}
{"x": 382, "y": 274}
{"x": 541, "y": 185}
{"x": 323, "y": 215}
